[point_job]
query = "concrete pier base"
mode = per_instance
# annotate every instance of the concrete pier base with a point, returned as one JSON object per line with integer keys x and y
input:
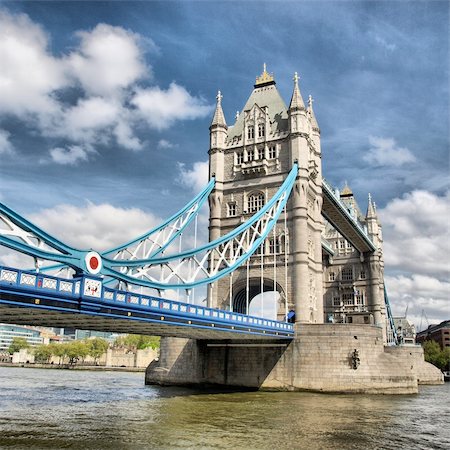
{"x": 327, "y": 358}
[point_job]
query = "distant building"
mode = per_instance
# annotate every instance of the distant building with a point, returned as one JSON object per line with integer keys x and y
{"x": 9, "y": 332}
{"x": 439, "y": 333}
{"x": 86, "y": 334}
{"x": 406, "y": 331}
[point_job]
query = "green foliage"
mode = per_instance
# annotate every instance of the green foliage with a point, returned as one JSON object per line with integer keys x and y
{"x": 42, "y": 353}
{"x": 436, "y": 356}
{"x": 137, "y": 342}
{"x": 76, "y": 350}
{"x": 96, "y": 347}
{"x": 17, "y": 344}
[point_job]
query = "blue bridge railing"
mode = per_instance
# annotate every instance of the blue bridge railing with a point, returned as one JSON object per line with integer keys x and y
{"x": 89, "y": 294}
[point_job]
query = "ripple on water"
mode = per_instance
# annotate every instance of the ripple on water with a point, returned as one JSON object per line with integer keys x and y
{"x": 96, "y": 410}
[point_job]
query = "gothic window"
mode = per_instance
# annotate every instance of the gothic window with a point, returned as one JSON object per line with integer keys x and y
{"x": 250, "y": 155}
{"x": 274, "y": 246}
{"x": 347, "y": 274}
{"x": 336, "y": 300}
{"x": 347, "y": 299}
{"x": 255, "y": 202}
{"x": 359, "y": 297}
{"x": 332, "y": 276}
{"x": 239, "y": 157}
{"x": 260, "y": 153}
{"x": 272, "y": 152}
{"x": 261, "y": 130}
{"x": 231, "y": 209}
{"x": 362, "y": 274}
{"x": 251, "y": 132}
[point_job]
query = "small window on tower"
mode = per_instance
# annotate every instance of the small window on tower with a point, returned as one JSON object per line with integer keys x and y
{"x": 255, "y": 203}
{"x": 232, "y": 209}
{"x": 251, "y": 132}
{"x": 261, "y": 130}
{"x": 332, "y": 276}
{"x": 347, "y": 274}
{"x": 272, "y": 152}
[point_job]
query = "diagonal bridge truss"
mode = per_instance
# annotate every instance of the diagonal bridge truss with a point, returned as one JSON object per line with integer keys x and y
{"x": 141, "y": 262}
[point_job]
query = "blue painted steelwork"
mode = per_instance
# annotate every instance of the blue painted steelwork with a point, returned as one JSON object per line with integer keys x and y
{"x": 390, "y": 318}
{"x": 330, "y": 193}
{"x": 273, "y": 208}
{"x": 191, "y": 210}
{"x": 86, "y": 295}
{"x": 196, "y": 204}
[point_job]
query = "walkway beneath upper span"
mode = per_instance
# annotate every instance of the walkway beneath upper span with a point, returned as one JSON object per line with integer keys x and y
{"x": 334, "y": 210}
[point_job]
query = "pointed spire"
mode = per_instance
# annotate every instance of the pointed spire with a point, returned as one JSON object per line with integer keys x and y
{"x": 296, "y": 100}
{"x": 371, "y": 212}
{"x": 219, "y": 118}
{"x": 312, "y": 116}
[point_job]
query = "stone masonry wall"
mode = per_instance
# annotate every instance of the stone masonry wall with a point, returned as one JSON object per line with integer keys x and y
{"x": 318, "y": 359}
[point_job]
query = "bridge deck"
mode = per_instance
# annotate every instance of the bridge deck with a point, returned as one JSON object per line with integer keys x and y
{"x": 38, "y": 299}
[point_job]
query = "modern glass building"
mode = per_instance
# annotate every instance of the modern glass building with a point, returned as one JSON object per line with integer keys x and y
{"x": 9, "y": 332}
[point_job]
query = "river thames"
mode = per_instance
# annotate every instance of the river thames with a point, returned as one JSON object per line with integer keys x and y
{"x": 56, "y": 409}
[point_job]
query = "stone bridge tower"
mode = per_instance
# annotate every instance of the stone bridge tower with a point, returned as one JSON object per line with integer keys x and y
{"x": 250, "y": 160}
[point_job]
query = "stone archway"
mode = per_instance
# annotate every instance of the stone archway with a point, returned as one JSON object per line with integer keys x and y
{"x": 240, "y": 298}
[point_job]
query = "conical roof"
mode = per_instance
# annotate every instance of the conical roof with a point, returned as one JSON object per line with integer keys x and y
{"x": 296, "y": 100}
{"x": 312, "y": 116}
{"x": 219, "y": 117}
{"x": 265, "y": 95}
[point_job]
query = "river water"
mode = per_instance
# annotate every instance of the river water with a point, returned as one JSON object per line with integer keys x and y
{"x": 56, "y": 409}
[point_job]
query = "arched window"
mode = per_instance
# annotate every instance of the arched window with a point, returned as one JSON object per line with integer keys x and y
{"x": 251, "y": 132}
{"x": 261, "y": 130}
{"x": 255, "y": 202}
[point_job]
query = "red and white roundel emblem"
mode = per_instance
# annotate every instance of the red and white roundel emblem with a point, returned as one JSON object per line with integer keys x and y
{"x": 93, "y": 262}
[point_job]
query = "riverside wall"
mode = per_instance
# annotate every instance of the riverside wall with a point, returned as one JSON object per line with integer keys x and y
{"x": 321, "y": 357}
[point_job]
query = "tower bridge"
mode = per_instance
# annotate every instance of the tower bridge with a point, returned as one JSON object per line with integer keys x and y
{"x": 284, "y": 246}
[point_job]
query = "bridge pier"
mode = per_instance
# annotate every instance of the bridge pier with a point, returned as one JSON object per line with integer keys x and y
{"x": 322, "y": 357}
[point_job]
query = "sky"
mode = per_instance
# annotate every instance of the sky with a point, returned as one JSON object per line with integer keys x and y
{"x": 105, "y": 109}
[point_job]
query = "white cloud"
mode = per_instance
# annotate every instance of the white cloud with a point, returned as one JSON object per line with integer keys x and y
{"x": 161, "y": 108}
{"x": 416, "y": 233}
{"x": 195, "y": 178}
{"x": 416, "y": 245}
{"x": 68, "y": 156}
{"x": 28, "y": 72}
{"x": 107, "y": 65}
{"x": 109, "y": 59}
{"x": 5, "y": 144}
{"x": 94, "y": 226}
{"x": 385, "y": 152}
{"x": 385, "y": 44}
{"x": 416, "y": 293}
{"x": 165, "y": 144}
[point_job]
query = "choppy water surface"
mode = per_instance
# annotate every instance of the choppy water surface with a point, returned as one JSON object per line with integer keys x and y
{"x": 55, "y": 409}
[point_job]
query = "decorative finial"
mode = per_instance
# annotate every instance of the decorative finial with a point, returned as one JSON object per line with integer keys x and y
{"x": 296, "y": 77}
{"x": 265, "y": 77}
{"x": 237, "y": 115}
{"x": 219, "y": 97}
{"x": 370, "y": 198}
{"x": 310, "y": 101}
{"x": 374, "y": 206}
